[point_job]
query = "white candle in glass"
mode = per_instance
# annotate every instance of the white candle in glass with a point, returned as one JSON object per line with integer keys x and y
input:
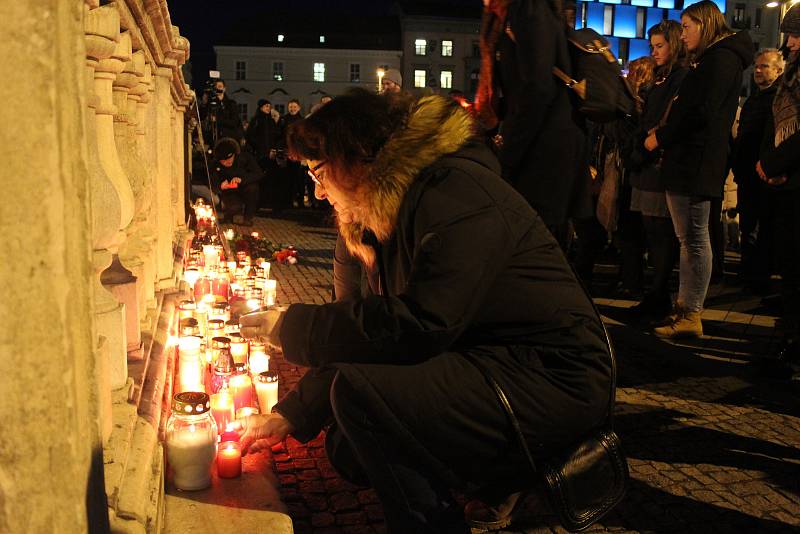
{"x": 191, "y": 365}
{"x": 270, "y": 292}
{"x": 259, "y": 362}
{"x": 267, "y": 391}
{"x": 191, "y": 454}
{"x": 265, "y": 265}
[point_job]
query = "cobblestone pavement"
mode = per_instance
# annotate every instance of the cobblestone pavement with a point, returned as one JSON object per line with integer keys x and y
{"x": 712, "y": 437}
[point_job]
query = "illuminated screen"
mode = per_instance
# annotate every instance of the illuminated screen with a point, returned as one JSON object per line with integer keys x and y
{"x": 643, "y": 3}
{"x": 638, "y": 48}
{"x": 616, "y": 1}
{"x": 654, "y": 16}
{"x": 674, "y": 14}
{"x": 720, "y": 4}
{"x": 625, "y": 21}
{"x": 595, "y": 16}
{"x": 666, "y": 4}
{"x": 614, "y": 43}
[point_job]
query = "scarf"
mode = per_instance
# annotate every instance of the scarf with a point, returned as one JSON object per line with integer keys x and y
{"x": 786, "y": 106}
{"x": 487, "y": 100}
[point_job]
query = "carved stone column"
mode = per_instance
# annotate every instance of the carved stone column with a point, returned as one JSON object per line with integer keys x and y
{"x": 147, "y": 143}
{"x": 101, "y": 28}
{"x": 113, "y": 325}
{"x": 164, "y": 179}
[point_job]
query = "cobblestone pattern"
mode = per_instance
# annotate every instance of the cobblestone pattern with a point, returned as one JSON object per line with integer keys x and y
{"x": 713, "y": 445}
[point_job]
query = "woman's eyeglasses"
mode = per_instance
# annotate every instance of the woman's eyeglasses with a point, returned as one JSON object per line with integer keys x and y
{"x": 312, "y": 173}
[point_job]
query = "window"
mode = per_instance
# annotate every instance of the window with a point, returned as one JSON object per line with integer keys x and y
{"x": 420, "y": 47}
{"x": 319, "y": 72}
{"x": 476, "y": 49}
{"x": 321, "y": 38}
{"x": 280, "y": 108}
{"x": 242, "y": 111}
{"x": 446, "y": 79}
{"x": 277, "y": 71}
{"x": 420, "y": 76}
{"x": 739, "y": 13}
{"x": 384, "y": 68}
{"x": 758, "y": 17}
{"x": 447, "y": 48}
{"x": 355, "y": 72}
{"x": 280, "y": 37}
{"x": 240, "y": 70}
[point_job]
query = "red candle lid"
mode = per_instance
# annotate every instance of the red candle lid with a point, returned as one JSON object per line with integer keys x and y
{"x": 229, "y": 436}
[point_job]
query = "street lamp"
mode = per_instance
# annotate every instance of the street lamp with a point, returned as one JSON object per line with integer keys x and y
{"x": 380, "y": 79}
{"x": 773, "y": 4}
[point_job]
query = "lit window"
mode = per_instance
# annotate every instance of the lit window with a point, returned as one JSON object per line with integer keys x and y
{"x": 420, "y": 76}
{"x": 420, "y": 47}
{"x": 446, "y": 79}
{"x": 447, "y": 48}
{"x": 280, "y": 37}
{"x": 355, "y": 72}
{"x": 240, "y": 71}
{"x": 321, "y": 38}
{"x": 277, "y": 71}
{"x": 319, "y": 72}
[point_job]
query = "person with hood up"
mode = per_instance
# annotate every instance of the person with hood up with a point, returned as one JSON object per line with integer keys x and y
{"x": 695, "y": 141}
{"x": 460, "y": 268}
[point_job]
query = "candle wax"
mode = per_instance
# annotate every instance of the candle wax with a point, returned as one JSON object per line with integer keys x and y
{"x": 267, "y": 396}
{"x": 229, "y": 460}
{"x": 190, "y": 454}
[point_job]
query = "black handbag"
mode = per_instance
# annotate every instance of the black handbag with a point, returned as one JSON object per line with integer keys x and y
{"x": 587, "y": 480}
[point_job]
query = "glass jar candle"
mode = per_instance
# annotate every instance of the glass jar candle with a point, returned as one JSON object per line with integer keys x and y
{"x": 239, "y": 348}
{"x": 186, "y": 309}
{"x": 241, "y": 387}
{"x": 223, "y": 369}
{"x": 267, "y": 390}
{"x": 220, "y": 310}
{"x": 258, "y": 361}
{"x": 270, "y": 292}
{"x": 231, "y": 327}
{"x": 222, "y": 408}
{"x": 190, "y": 276}
{"x": 229, "y": 456}
{"x": 189, "y": 327}
{"x": 202, "y": 287}
{"x": 191, "y": 440}
{"x": 216, "y": 328}
{"x": 191, "y": 364}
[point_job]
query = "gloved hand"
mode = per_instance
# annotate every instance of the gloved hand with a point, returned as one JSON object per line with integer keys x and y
{"x": 272, "y": 427}
{"x": 263, "y": 324}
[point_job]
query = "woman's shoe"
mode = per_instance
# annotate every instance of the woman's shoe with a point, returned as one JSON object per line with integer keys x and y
{"x": 685, "y": 324}
{"x": 480, "y": 516}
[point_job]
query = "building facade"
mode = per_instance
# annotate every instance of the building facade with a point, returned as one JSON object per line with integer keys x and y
{"x": 441, "y": 53}
{"x": 282, "y": 73}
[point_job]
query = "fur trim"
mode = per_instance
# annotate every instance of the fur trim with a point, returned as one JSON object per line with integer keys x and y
{"x": 435, "y": 128}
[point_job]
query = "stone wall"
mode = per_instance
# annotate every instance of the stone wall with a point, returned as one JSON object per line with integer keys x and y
{"x": 94, "y": 144}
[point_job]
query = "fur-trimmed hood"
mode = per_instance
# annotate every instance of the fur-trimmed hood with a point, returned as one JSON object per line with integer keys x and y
{"x": 434, "y": 129}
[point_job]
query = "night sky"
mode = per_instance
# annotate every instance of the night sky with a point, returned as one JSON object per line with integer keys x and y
{"x": 204, "y": 22}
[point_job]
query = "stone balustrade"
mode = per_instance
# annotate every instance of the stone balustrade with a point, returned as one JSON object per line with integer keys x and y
{"x": 93, "y": 212}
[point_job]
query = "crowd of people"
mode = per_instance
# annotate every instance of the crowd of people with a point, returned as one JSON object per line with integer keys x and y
{"x": 455, "y": 228}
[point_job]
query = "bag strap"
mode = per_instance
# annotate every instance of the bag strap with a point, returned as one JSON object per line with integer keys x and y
{"x": 569, "y": 81}
{"x": 503, "y": 398}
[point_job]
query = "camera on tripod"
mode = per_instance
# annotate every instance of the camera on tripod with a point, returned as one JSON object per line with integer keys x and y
{"x": 210, "y": 91}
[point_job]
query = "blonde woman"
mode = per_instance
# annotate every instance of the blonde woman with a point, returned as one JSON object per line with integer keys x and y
{"x": 695, "y": 143}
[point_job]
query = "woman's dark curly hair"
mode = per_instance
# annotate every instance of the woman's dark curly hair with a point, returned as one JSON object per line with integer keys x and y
{"x": 348, "y": 132}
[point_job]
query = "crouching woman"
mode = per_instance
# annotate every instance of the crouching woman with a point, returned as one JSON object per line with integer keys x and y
{"x": 460, "y": 268}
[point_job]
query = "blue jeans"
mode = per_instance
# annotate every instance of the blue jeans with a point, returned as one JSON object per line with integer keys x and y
{"x": 690, "y": 219}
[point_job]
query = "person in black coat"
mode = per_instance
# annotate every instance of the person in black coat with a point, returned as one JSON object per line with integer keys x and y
{"x": 779, "y": 169}
{"x": 542, "y": 141}
{"x": 220, "y": 116}
{"x": 695, "y": 140}
{"x": 236, "y": 177}
{"x": 264, "y": 135}
{"x": 459, "y": 268}
{"x": 751, "y": 192}
{"x": 648, "y": 195}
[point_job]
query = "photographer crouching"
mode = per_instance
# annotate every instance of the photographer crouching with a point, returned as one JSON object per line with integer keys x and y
{"x": 236, "y": 177}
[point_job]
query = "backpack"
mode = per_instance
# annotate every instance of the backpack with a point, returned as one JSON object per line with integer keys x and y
{"x": 603, "y": 94}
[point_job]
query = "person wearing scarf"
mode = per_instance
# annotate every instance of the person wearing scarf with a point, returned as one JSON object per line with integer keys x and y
{"x": 543, "y": 151}
{"x": 779, "y": 168}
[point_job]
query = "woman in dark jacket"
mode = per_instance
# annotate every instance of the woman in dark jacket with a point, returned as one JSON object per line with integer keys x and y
{"x": 263, "y": 134}
{"x": 544, "y": 151}
{"x": 779, "y": 168}
{"x": 648, "y": 196}
{"x": 459, "y": 268}
{"x": 695, "y": 141}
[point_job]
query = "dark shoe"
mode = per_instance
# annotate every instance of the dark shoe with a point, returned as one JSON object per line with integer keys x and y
{"x": 480, "y": 516}
{"x": 651, "y": 307}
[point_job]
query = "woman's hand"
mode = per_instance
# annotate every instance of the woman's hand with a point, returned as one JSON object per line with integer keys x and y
{"x": 651, "y": 143}
{"x": 272, "y": 427}
{"x": 263, "y": 324}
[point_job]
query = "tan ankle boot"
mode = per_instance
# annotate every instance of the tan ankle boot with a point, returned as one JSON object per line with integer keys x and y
{"x": 482, "y": 517}
{"x": 685, "y": 324}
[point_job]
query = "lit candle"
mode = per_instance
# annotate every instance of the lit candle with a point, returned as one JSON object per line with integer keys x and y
{"x": 211, "y": 256}
{"x": 229, "y": 457}
{"x": 241, "y": 413}
{"x": 267, "y": 390}
{"x": 270, "y": 292}
{"x": 186, "y": 309}
{"x": 191, "y": 441}
{"x": 202, "y": 287}
{"x": 254, "y": 234}
{"x": 191, "y": 365}
{"x": 265, "y": 265}
{"x": 259, "y": 360}
{"x": 242, "y": 387}
{"x": 239, "y": 348}
{"x": 229, "y": 234}
{"x": 222, "y": 408}
{"x": 191, "y": 276}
